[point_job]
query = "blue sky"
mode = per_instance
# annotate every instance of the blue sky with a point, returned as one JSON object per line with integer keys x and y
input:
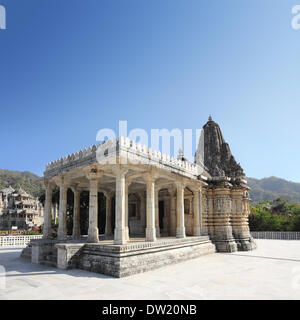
{"x": 69, "y": 68}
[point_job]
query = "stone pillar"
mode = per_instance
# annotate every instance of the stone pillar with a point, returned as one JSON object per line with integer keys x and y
{"x": 143, "y": 210}
{"x": 239, "y": 220}
{"x": 55, "y": 212}
{"x": 127, "y": 184}
{"x": 196, "y": 230}
{"x": 180, "y": 230}
{"x": 210, "y": 213}
{"x": 62, "y": 216}
{"x": 150, "y": 215}
{"x": 120, "y": 233}
{"x": 166, "y": 218}
{"x": 223, "y": 237}
{"x": 93, "y": 232}
{"x": 76, "y": 214}
{"x": 173, "y": 215}
{"x": 203, "y": 213}
{"x": 47, "y": 212}
{"x": 108, "y": 198}
{"x": 157, "y": 227}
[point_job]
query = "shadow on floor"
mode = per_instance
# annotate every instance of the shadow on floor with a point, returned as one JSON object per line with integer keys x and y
{"x": 22, "y": 267}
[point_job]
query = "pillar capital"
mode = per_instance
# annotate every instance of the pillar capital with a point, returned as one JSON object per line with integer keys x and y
{"x": 149, "y": 177}
{"x": 108, "y": 194}
{"x": 195, "y": 187}
{"x": 128, "y": 182}
{"x": 75, "y": 188}
{"x": 62, "y": 181}
{"x": 118, "y": 170}
{"x": 180, "y": 184}
{"x": 93, "y": 173}
{"x": 48, "y": 184}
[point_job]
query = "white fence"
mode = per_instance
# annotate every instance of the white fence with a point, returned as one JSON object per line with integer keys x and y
{"x": 276, "y": 235}
{"x": 11, "y": 241}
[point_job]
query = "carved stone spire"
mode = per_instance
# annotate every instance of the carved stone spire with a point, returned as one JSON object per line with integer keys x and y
{"x": 217, "y": 155}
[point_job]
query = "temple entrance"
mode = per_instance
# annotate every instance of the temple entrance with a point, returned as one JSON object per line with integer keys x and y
{"x": 134, "y": 216}
{"x": 161, "y": 209}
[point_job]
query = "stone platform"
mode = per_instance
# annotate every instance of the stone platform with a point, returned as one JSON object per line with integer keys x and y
{"x": 120, "y": 260}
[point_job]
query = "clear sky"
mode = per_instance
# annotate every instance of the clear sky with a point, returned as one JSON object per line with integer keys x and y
{"x": 69, "y": 68}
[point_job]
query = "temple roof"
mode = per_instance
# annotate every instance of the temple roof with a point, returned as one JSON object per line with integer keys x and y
{"x": 217, "y": 155}
{"x": 22, "y": 193}
{"x": 7, "y": 190}
{"x": 16, "y": 192}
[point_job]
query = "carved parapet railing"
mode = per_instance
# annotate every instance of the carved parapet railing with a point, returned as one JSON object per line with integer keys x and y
{"x": 127, "y": 150}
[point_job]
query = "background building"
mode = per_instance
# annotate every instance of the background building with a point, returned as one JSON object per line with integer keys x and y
{"x": 19, "y": 209}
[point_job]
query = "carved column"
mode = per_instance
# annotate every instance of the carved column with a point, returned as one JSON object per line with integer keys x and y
{"x": 157, "y": 227}
{"x": 239, "y": 219}
{"x": 108, "y": 198}
{"x": 76, "y": 213}
{"x": 120, "y": 233}
{"x": 196, "y": 210}
{"x": 223, "y": 237}
{"x": 143, "y": 210}
{"x": 166, "y": 219}
{"x": 203, "y": 212}
{"x": 210, "y": 213}
{"x": 127, "y": 184}
{"x": 55, "y": 212}
{"x": 93, "y": 232}
{"x": 47, "y": 212}
{"x": 173, "y": 215}
{"x": 62, "y": 215}
{"x": 150, "y": 215}
{"x": 180, "y": 230}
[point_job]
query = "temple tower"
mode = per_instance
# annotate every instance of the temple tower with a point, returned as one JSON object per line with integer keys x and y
{"x": 227, "y": 193}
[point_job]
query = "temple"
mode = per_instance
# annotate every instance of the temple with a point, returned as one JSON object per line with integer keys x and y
{"x": 159, "y": 210}
{"x": 19, "y": 209}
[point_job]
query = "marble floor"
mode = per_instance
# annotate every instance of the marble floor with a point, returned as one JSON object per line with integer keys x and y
{"x": 270, "y": 272}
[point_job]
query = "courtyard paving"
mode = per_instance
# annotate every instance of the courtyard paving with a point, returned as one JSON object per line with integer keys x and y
{"x": 270, "y": 272}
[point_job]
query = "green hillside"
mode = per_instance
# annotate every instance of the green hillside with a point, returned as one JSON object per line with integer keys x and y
{"x": 26, "y": 180}
{"x": 272, "y": 188}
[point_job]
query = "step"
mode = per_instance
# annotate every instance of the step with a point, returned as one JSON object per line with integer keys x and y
{"x": 49, "y": 263}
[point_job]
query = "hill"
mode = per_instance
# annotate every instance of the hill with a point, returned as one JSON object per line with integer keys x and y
{"x": 26, "y": 180}
{"x": 272, "y": 188}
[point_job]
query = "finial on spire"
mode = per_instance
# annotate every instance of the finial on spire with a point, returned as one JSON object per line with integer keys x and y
{"x": 181, "y": 155}
{"x": 210, "y": 118}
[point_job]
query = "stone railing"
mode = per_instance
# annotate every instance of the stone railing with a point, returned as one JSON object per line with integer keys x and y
{"x": 14, "y": 241}
{"x": 124, "y": 147}
{"x": 276, "y": 235}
